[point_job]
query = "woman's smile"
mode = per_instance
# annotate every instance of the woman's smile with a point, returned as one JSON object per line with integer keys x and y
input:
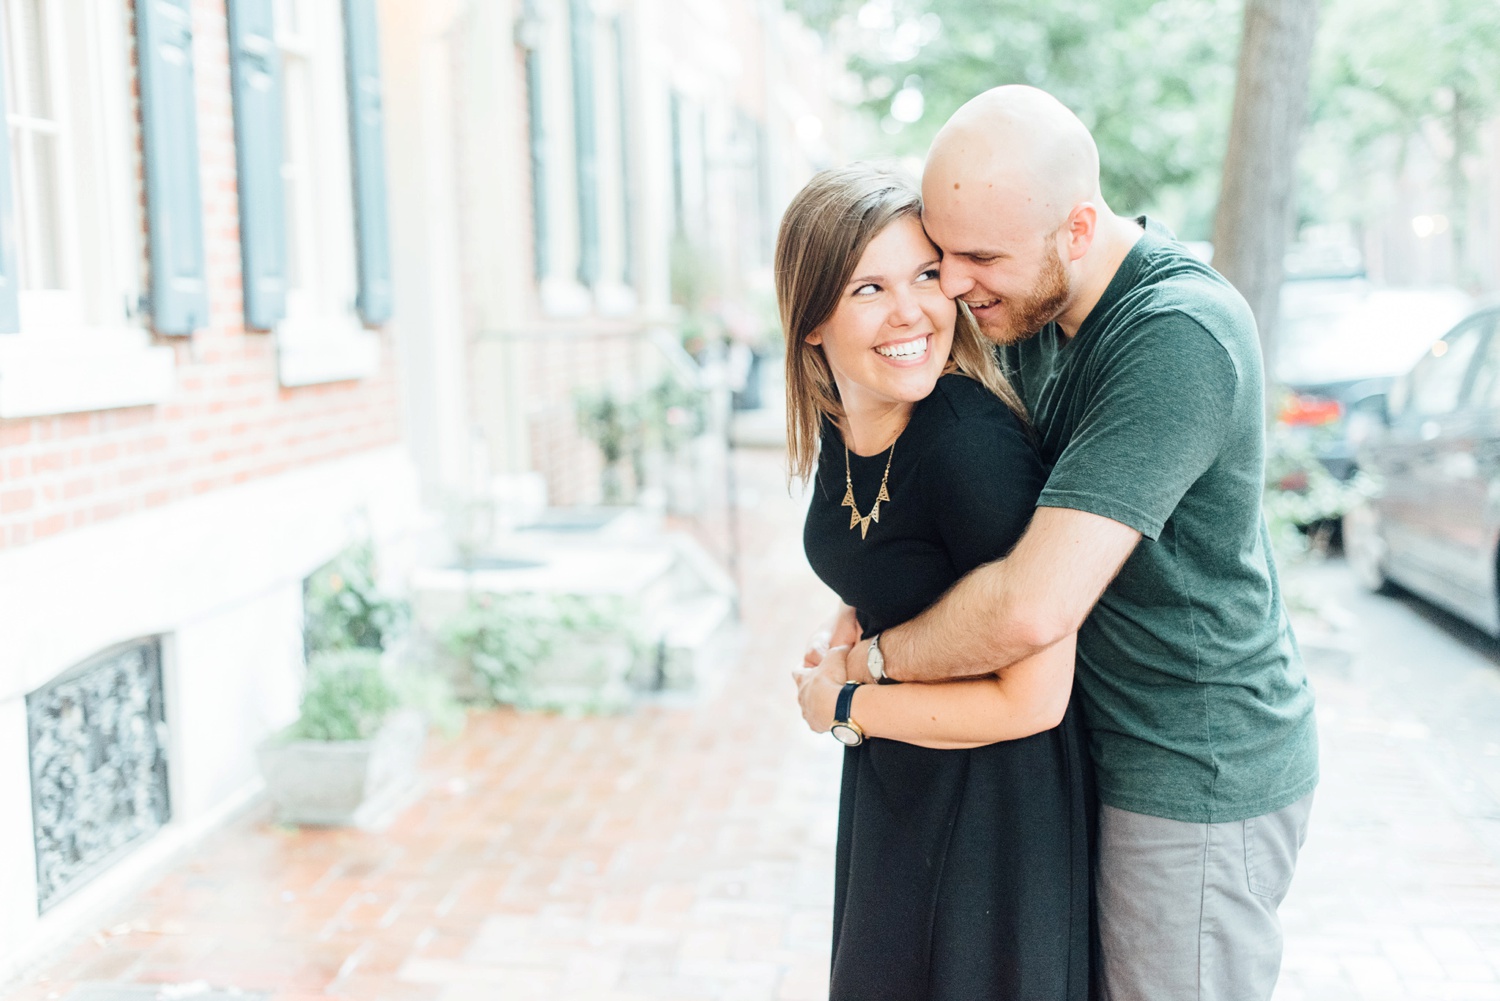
{"x": 908, "y": 352}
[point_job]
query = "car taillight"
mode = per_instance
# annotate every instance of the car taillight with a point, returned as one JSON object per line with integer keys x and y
{"x": 1309, "y": 411}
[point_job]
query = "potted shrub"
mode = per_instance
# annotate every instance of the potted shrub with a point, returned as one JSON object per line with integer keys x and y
{"x": 351, "y": 757}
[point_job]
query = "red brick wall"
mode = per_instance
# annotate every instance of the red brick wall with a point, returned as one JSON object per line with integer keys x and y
{"x": 229, "y": 420}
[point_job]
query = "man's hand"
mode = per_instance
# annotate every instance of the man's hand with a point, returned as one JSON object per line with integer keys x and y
{"x": 841, "y": 629}
{"x": 818, "y": 689}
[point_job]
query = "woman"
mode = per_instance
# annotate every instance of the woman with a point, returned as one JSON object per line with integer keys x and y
{"x": 962, "y": 860}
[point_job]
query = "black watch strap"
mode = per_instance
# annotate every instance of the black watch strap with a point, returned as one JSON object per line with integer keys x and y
{"x": 842, "y": 707}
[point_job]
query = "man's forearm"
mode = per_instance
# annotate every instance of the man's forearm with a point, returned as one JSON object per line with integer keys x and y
{"x": 972, "y": 631}
{"x": 1011, "y": 609}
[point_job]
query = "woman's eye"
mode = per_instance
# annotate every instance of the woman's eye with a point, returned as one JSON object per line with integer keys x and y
{"x": 869, "y": 289}
{"x": 930, "y": 275}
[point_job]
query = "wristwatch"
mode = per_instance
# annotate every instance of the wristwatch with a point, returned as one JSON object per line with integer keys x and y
{"x": 845, "y": 730}
{"x": 875, "y": 660}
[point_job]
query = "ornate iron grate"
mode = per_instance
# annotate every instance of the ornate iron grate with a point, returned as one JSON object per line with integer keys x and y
{"x": 98, "y": 765}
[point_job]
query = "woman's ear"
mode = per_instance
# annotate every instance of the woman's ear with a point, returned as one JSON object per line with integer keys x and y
{"x": 816, "y": 337}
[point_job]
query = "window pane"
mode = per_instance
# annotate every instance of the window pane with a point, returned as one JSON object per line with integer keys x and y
{"x": 1485, "y": 393}
{"x": 1438, "y": 379}
{"x": 34, "y": 146}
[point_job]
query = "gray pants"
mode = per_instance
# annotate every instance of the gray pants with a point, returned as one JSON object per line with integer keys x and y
{"x": 1187, "y": 912}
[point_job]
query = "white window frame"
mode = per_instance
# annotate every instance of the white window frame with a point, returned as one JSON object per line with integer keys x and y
{"x": 321, "y": 339}
{"x": 85, "y": 347}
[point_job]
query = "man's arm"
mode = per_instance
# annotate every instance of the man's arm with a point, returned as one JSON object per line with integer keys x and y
{"x": 1011, "y": 609}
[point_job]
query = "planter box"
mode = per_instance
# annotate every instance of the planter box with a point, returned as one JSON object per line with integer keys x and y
{"x": 345, "y": 783}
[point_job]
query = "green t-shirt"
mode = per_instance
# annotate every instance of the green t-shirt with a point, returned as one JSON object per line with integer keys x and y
{"x": 1152, "y": 415}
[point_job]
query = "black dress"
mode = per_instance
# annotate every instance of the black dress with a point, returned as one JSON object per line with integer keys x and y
{"x": 960, "y": 875}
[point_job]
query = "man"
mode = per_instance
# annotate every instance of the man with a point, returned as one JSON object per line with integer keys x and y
{"x": 1141, "y": 370}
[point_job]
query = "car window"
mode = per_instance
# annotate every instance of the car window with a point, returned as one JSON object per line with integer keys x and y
{"x": 1484, "y": 392}
{"x": 1433, "y": 388}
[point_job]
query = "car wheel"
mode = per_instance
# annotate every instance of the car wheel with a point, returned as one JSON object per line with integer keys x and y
{"x": 1364, "y": 548}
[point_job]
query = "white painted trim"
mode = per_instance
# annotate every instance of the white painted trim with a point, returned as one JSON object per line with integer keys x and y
{"x": 157, "y": 571}
{"x": 331, "y": 350}
{"x": 61, "y": 372}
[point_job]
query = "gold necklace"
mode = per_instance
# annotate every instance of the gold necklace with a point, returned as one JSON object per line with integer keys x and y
{"x": 855, "y": 518}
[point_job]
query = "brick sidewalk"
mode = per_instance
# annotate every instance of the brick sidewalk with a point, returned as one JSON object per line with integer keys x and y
{"x": 687, "y": 854}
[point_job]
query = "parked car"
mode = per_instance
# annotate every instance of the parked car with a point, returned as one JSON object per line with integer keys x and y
{"x": 1433, "y": 446}
{"x": 1342, "y": 341}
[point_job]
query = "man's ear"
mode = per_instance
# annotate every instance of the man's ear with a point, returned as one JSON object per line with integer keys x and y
{"x": 1080, "y": 228}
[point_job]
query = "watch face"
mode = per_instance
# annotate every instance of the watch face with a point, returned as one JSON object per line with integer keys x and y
{"x": 847, "y": 735}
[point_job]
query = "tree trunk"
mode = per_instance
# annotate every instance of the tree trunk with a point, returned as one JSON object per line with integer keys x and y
{"x": 1256, "y": 205}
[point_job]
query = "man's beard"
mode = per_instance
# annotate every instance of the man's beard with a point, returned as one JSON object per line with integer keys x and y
{"x": 1045, "y": 302}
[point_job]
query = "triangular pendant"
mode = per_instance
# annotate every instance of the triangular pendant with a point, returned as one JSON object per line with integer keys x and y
{"x": 882, "y": 496}
{"x": 875, "y": 512}
{"x": 848, "y": 500}
{"x": 854, "y": 518}
{"x": 864, "y": 525}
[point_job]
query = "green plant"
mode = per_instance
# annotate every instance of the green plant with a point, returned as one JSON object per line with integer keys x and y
{"x": 347, "y": 696}
{"x": 617, "y": 427}
{"x": 500, "y": 640}
{"x": 1302, "y": 498}
{"x": 345, "y": 609}
{"x": 506, "y": 640}
{"x": 430, "y": 694}
{"x": 674, "y": 414}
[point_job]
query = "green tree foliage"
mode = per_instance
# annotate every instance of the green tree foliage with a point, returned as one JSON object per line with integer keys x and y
{"x": 1389, "y": 74}
{"x": 1152, "y": 79}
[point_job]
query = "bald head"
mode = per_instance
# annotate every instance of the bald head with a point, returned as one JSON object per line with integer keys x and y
{"x": 1017, "y": 145}
{"x": 1010, "y": 195}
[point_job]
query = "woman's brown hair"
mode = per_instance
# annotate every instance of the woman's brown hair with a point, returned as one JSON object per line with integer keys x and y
{"x": 823, "y": 234}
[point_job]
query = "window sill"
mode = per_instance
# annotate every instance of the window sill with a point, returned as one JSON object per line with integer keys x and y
{"x": 81, "y": 370}
{"x": 335, "y": 349}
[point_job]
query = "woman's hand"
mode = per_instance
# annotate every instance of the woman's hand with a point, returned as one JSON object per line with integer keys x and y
{"x": 841, "y": 629}
{"x": 818, "y": 689}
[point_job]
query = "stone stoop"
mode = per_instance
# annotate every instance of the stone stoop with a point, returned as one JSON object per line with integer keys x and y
{"x": 682, "y": 601}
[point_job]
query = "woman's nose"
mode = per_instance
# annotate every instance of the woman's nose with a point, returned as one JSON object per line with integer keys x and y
{"x": 906, "y": 309}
